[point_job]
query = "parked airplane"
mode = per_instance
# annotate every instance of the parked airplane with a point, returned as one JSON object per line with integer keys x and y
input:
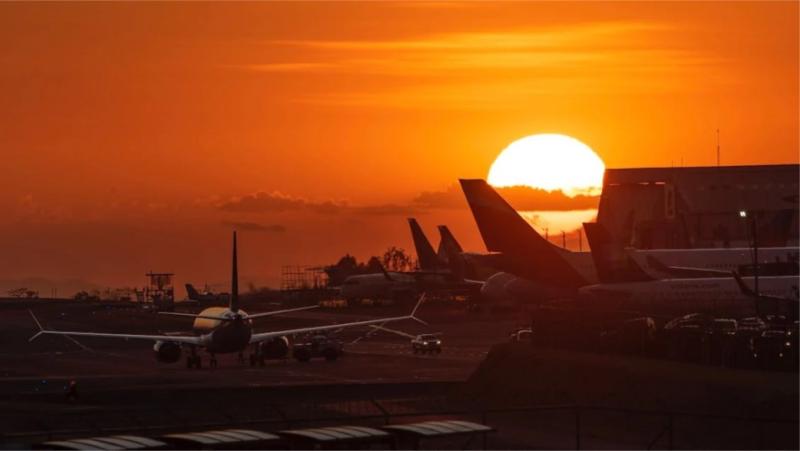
{"x": 222, "y": 330}
{"x": 206, "y": 295}
{"x": 384, "y": 285}
{"x": 628, "y": 285}
{"x": 529, "y": 267}
{"x": 687, "y": 263}
{"x": 428, "y": 259}
{"x": 534, "y": 269}
{"x": 435, "y": 274}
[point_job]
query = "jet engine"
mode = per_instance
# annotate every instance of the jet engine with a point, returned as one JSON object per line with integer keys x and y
{"x": 167, "y": 352}
{"x": 277, "y": 348}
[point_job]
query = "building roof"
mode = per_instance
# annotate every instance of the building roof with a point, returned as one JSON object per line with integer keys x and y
{"x": 226, "y": 436}
{"x": 788, "y": 172}
{"x": 439, "y": 428}
{"x": 115, "y": 442}
{"x": 337, "y": 434}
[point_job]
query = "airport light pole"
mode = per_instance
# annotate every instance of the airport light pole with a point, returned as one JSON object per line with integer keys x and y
{"x": 752, "y": 220}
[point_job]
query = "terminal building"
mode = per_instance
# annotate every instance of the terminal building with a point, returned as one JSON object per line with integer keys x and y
{"x": 701, "y": 207}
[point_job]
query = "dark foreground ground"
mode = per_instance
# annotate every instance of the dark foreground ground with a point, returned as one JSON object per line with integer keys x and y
{"x": 535, "y": 398}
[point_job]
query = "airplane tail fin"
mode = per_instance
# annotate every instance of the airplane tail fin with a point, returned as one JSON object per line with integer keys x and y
{"x": 233, "y": 304}
{"x": 447, "y": 244}
{"x": 610, "y": 260}
{"x": 428, "y": 260}
{"x": 192, "y": 293}
{"x": 451, "y": 251}
{"x": 526, "y": 253}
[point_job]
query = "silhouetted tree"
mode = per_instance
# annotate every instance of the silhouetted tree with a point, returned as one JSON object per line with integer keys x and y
{"x": 396, "y": 259}
{"x": 374, "y": 265}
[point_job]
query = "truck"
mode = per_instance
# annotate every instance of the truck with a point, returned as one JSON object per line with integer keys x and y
{"x": 318, "y": 346}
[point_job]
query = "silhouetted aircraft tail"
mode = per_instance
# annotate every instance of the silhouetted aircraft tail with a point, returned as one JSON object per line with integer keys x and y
{"x": 526, "y": 253}
{"x": 451, "y": 252}
{"x": 192, "y": 293}
{"x": 428, "y": 260}
{"x": 448, "y": 242}
{"x": 233, "y": 303}
{"x": 613, "y": 265}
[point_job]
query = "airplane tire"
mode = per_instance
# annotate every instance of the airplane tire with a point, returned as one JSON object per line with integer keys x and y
{"x": 253, "y": 359}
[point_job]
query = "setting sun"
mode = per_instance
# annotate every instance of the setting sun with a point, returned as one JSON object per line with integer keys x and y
{"x": 550, "y": 162}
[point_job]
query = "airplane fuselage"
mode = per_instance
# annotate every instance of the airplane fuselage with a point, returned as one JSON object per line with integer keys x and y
{"x": 721, "y": 259}
{"x": 221, "y": 337}
{"x": 377, "y": 286}
{"x": 680, "y": 296}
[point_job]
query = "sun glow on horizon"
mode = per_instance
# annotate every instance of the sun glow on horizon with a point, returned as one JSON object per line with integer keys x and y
{"x": 550, "y": 162}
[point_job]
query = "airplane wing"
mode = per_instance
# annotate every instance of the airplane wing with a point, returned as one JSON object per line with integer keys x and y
{"x": 392, "y": 331}
{"x": 684, "y": 272}
{"x": 280, "y": 333}
{"x": 250, "y": 316}
{"x": 280, "y": 312}
{"x": 168, "y": 338}
{"x": 192, "y": 315}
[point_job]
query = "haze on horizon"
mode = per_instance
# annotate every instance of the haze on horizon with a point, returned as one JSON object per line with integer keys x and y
{"x": 136, "y": 136}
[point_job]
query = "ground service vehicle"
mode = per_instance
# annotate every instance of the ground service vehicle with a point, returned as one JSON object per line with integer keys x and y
{"x": 426, "y": 343}
{"x": 318, "y": 346}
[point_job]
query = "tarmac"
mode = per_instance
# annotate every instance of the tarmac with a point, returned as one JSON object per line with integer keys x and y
{"x": 117, "y": 378}
{"x": 547, "y": 398}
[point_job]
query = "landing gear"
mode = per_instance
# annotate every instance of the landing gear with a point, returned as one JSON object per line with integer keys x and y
{"x": 256, "y": 359}
{"x": 213, "y": 361}
{"x": 194, "y": 361}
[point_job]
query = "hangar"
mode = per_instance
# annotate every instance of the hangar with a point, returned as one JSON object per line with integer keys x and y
{"x": 699, "y": 207}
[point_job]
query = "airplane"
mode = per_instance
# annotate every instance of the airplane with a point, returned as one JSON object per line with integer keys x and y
{"x": 528, "y": 266}
{"x": 223, "y": 330}
{"x": 688, "y": 263}
{"x": 531, "y": 268}
{"x": 434, "y": 274}
{"x": 206, "y": 296}
{"x": 626, "y": 283}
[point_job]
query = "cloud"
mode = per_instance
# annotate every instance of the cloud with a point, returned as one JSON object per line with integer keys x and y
{"x": 277, "y": 202}
{"x": 522, "y": 198}
{"x": 255, "y": 227}
{"x": 388, "y": 210}
{"x": 494, "y": 69}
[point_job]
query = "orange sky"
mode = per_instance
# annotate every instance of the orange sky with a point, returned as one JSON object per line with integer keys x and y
{"x": 120, "y": 122}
